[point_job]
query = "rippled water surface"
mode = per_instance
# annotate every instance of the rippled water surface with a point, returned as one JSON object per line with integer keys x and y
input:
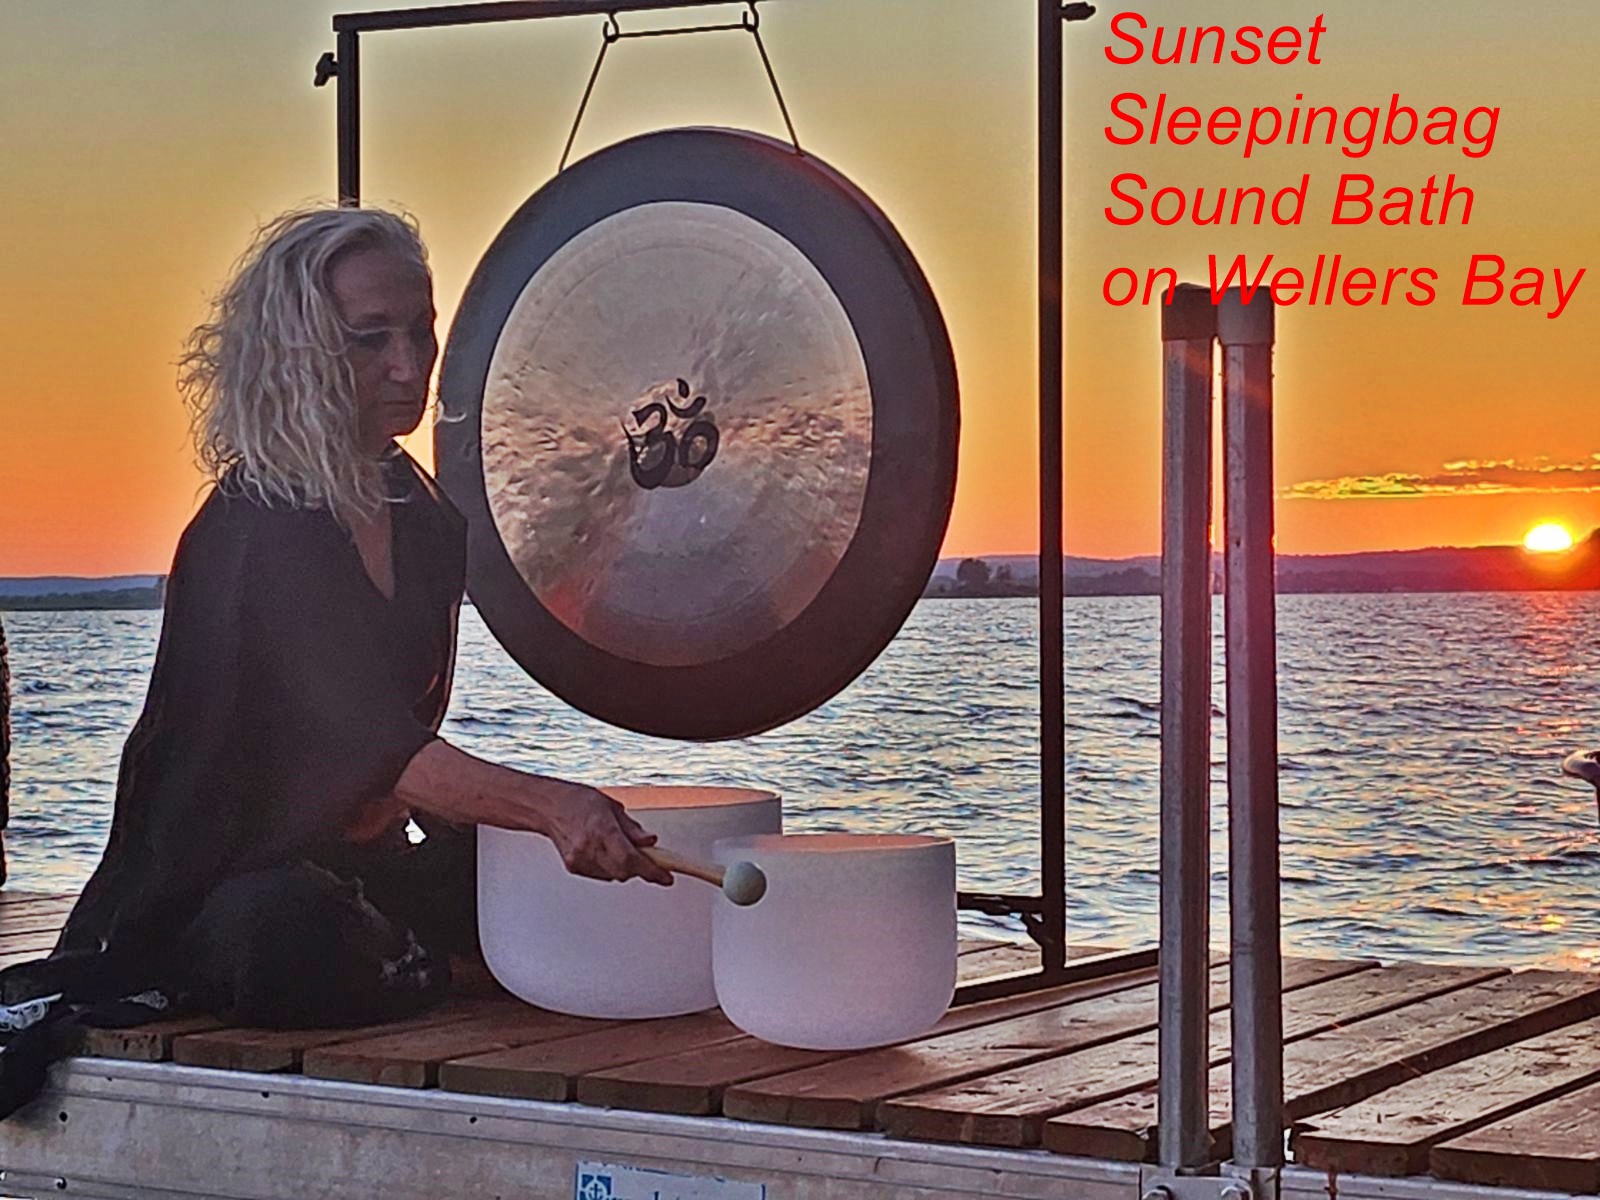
{"x": 1423, "y": 814}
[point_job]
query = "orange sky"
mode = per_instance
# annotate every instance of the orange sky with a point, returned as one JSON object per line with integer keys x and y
{"x": 143, "y": 139}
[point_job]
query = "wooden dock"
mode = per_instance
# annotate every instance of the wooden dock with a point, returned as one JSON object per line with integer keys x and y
{"x": 1460, "y": 1074}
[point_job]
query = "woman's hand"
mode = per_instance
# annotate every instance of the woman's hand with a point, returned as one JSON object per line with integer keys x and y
{"x": 597, "y": 838}
{"x": 593, "y": 833}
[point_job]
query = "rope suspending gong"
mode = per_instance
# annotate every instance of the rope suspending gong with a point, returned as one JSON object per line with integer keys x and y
{"x": 611, "y": 32}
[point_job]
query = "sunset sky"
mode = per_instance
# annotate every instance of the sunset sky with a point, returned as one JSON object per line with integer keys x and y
{"x": 143, "y": 140}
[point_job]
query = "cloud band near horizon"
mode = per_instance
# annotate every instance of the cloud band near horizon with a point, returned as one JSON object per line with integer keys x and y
{"x": 1468, "y": 477}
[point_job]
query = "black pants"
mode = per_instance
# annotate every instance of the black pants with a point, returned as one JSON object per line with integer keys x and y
{"x": 354, "y": 935}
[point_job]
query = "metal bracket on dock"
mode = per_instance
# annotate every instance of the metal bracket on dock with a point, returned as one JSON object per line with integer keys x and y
{"x": 1027, "y": 909}
{"x": 1251, "y": 1183}
{"x": 1233, "y": 1183}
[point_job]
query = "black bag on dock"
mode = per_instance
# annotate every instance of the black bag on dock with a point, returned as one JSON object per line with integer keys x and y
{"x": 43, "y": 1006}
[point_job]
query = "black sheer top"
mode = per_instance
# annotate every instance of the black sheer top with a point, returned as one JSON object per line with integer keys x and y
{"x": 288, "y": 693}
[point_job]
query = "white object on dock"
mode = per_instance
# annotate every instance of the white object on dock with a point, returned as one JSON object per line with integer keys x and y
{"x": 616, "y": 950}
{"x": 854, "y": 945}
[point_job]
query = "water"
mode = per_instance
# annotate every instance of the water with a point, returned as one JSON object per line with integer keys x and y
{"x": 1423, "y": 814}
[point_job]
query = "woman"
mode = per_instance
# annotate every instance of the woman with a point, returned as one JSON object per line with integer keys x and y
{"x": 258, "y": 864}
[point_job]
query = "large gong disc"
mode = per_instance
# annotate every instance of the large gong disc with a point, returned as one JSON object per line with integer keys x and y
{"x": 701, "y": 415}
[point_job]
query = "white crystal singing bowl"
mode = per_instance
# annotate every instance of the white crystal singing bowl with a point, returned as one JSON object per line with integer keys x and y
{"x": 853, "y": 945}
{"x": 601, "y": 949}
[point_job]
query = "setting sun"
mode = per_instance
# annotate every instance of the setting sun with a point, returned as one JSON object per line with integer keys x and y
{"x": 1547, "y": 539}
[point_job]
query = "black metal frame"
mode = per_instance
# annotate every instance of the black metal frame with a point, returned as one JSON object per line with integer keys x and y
{"x": 1044, "y": 915}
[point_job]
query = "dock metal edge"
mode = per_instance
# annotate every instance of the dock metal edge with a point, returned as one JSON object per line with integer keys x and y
{"x": 155, "y": 1131}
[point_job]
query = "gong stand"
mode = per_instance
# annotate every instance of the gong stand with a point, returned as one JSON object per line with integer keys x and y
{"x": 1044, "y": 915}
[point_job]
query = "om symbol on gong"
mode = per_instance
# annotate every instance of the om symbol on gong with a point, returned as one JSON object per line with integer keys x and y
{"x": 668, "y": 452}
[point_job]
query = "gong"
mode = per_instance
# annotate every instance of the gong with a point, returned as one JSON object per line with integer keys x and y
{"x": 700, "y": 412}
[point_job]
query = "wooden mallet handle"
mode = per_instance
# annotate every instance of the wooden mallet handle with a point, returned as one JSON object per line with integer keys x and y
{"x": 679, "y": 865}
{"x": 741, "y": 882}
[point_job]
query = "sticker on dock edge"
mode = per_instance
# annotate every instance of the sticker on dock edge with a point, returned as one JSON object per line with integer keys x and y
{"x": 613, "y": 1181}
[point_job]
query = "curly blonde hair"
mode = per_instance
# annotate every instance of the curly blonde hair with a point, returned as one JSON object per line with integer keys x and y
{"x": 270, "y": 393}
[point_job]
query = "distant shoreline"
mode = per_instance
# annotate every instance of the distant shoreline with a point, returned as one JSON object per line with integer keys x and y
{"x": 1087, "y": 594}
{"x": 1438, "y": 571}
{"x": 117, "y": 599}
{"x": 1441, "y": 570}
{"x": 111, "y": 602}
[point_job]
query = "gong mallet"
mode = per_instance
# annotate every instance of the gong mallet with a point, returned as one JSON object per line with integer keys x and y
{"x": 1585, "y": 765}
{"x": 741, "y": 882}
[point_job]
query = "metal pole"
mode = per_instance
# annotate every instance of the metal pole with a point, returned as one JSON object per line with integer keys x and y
{"x": 1052, "y": 714}
{"x": 1188, "y": 328}
{"x": 348, "y": 57}
{"x": 1246, "y": 332}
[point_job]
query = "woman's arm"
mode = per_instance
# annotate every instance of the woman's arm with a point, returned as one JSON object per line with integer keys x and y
{"x": 594, "y": 834}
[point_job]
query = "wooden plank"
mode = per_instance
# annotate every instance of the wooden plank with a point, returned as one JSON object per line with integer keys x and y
{"x": 284, "y": 1049}
{"x": 32, "y": 944}
{"x": 1358, "y": 1059}
{"x": 1554, "y": 1146}
{"x": 33, "y": 934}
{"x": 696, "y": 1084}
{"x": 30, "y": 927}
{"x": 12, "y": 958}
{"x": 996, "y": 960}
{"x": 1082, "y": 950}
{"x": 987, "y": 959}
{"x": 30, "y": 924}
{"x": 1009, "y": 1108}
{"x": 693, "y": 1082}
{"x": 13, "y": 902}
{"x": 411, "y": 1058}
{"x": 33, "y": 916}
{"x": 25, "y": 918}
{"x": 972, "y": 945}
{"x": 551, "y": 1070}
{"x": 1391, "y": 1133}
{"x": 846, "y": 1094}
{"x": 151, "y": 1042}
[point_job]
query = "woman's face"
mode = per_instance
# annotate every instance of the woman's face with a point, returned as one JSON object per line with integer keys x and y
{"x": 386, "y": 304}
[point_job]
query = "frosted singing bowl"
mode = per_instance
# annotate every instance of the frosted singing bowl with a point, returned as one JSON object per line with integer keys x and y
{"x": 617, "y": 950}
{"x": 853, "y": 945}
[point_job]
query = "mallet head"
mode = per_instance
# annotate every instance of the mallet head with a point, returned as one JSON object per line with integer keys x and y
{"x": 744, "y": 883}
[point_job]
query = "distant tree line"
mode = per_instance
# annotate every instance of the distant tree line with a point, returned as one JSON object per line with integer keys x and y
{"x": 975, "y": 577}
{"x": 1444, "y": 569}
{"x": 138, "y": 597}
